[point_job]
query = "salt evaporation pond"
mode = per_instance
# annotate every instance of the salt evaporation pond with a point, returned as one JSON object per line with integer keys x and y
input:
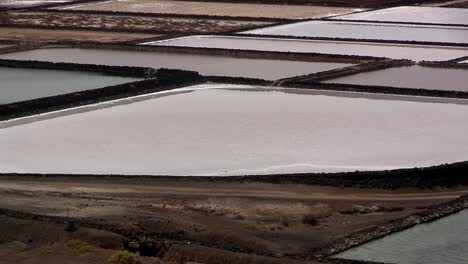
{"x": 229, "y": 130}
{"x": 204, "y": 64}
{"x": 432, "y": 78}
{"x": 370, "y": 31}
{"x": 21, "y": 84}
{"x": 442, "y": 242}
{"x": 394, "y": 51}
{"x": 30, "y": 3}
{"x": 410, "y": 14}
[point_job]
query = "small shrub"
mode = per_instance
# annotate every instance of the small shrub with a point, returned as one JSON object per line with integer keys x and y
{"x": 125, "y": 257}
{"x": 310, "y": 220}
{"x": 79, "y": 246}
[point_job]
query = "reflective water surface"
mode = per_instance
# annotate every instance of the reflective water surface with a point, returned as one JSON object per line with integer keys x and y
{"x": 442, "y": 242}
{"x": 431, "y": 78}
{"x": 204, "y": 64}
{"x": 21, "y": 84}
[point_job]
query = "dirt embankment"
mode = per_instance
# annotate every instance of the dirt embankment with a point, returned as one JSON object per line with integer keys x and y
{"x": 123, "y": 23}
{"x": 219, "y": 222}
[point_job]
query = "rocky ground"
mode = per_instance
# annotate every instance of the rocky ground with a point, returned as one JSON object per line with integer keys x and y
{"x": 185, "y": 220}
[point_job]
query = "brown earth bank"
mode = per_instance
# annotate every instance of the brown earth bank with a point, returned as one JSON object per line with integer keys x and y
{"x": 124, "y": 23}
{"x": 201, "y": 221}
{"x": 53, "y": 35}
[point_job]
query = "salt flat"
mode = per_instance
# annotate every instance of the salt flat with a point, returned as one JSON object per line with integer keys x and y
{"x": 431, "y": 78}
{"x": 394, "y": 51}
{"x": 370, "y": 31}
{"x": 203, "y": 63}
{"x": 230, "y": 130}
{"x": 411, "y": 14}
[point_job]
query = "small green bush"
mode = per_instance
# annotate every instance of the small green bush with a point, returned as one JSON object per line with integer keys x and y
{"x": 79, "y": 246}
{"x": 125, "y": 257}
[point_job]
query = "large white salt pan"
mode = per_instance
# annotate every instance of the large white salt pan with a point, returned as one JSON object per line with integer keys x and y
{"x": 224, "y": 132}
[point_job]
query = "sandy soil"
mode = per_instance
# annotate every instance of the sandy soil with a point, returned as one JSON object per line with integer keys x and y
{"x": 46, "y": 35}
{"x": 194, "y": 217}
{"x": 124, "y": 23}
{"x": 213, "y": 8}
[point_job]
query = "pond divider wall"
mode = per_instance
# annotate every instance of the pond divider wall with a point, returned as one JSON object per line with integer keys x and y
{"x": 330, "y": 3}
{"x": 340, "y": 72}
{"x": 393, "y": 22}
{"x": 160, "y": 80}
{"x": 378, "y": 89}
{"x": 252, "y": 54}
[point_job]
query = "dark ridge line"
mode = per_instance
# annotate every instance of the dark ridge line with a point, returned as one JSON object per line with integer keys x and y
{"x": 158, "y": 38}
{"x": 445, "y": 175}
{"x": 445, "y": 64}
{"x": 111, "y": 30}
{"x": 323, "y": 3}
{"x": 169, "y": 15}
{"x": 384, "y": 41}
{"x": 375, "y": 89}
{"x": 324, "y": 55}
{"x": 344, "y": 71}
{"x": 393, "y": 22}
{"x": 458, "y": 59}
{"x": 253, "y": 54}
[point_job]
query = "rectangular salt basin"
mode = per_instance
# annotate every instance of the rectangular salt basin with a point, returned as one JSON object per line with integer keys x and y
{"x": 428, "y": 15}
{"x": 444, "y": 241}
{"x": 21, "y": 84}
{"x": 394, "y": 51}
{"x": 368, "y": 31}
{"x": 237, "y": 130}
{"x": 30, "y": 3}
{"x": 204, "y": 64}
{"x": 432, "y": 78}
{"x": 213, "y": 8}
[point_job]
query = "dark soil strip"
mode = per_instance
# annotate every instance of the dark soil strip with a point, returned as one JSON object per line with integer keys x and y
{"x": 108, "y": 29}
{"x": 446, "y": 175}
{"x": 446, "y": 64}
{"x": 336, "y": 73}
{"x": 293, "y": 56}
{"x": 335, "y": 3}
{"x": 378, "y": 89}
{"x": 170, "y": 15}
